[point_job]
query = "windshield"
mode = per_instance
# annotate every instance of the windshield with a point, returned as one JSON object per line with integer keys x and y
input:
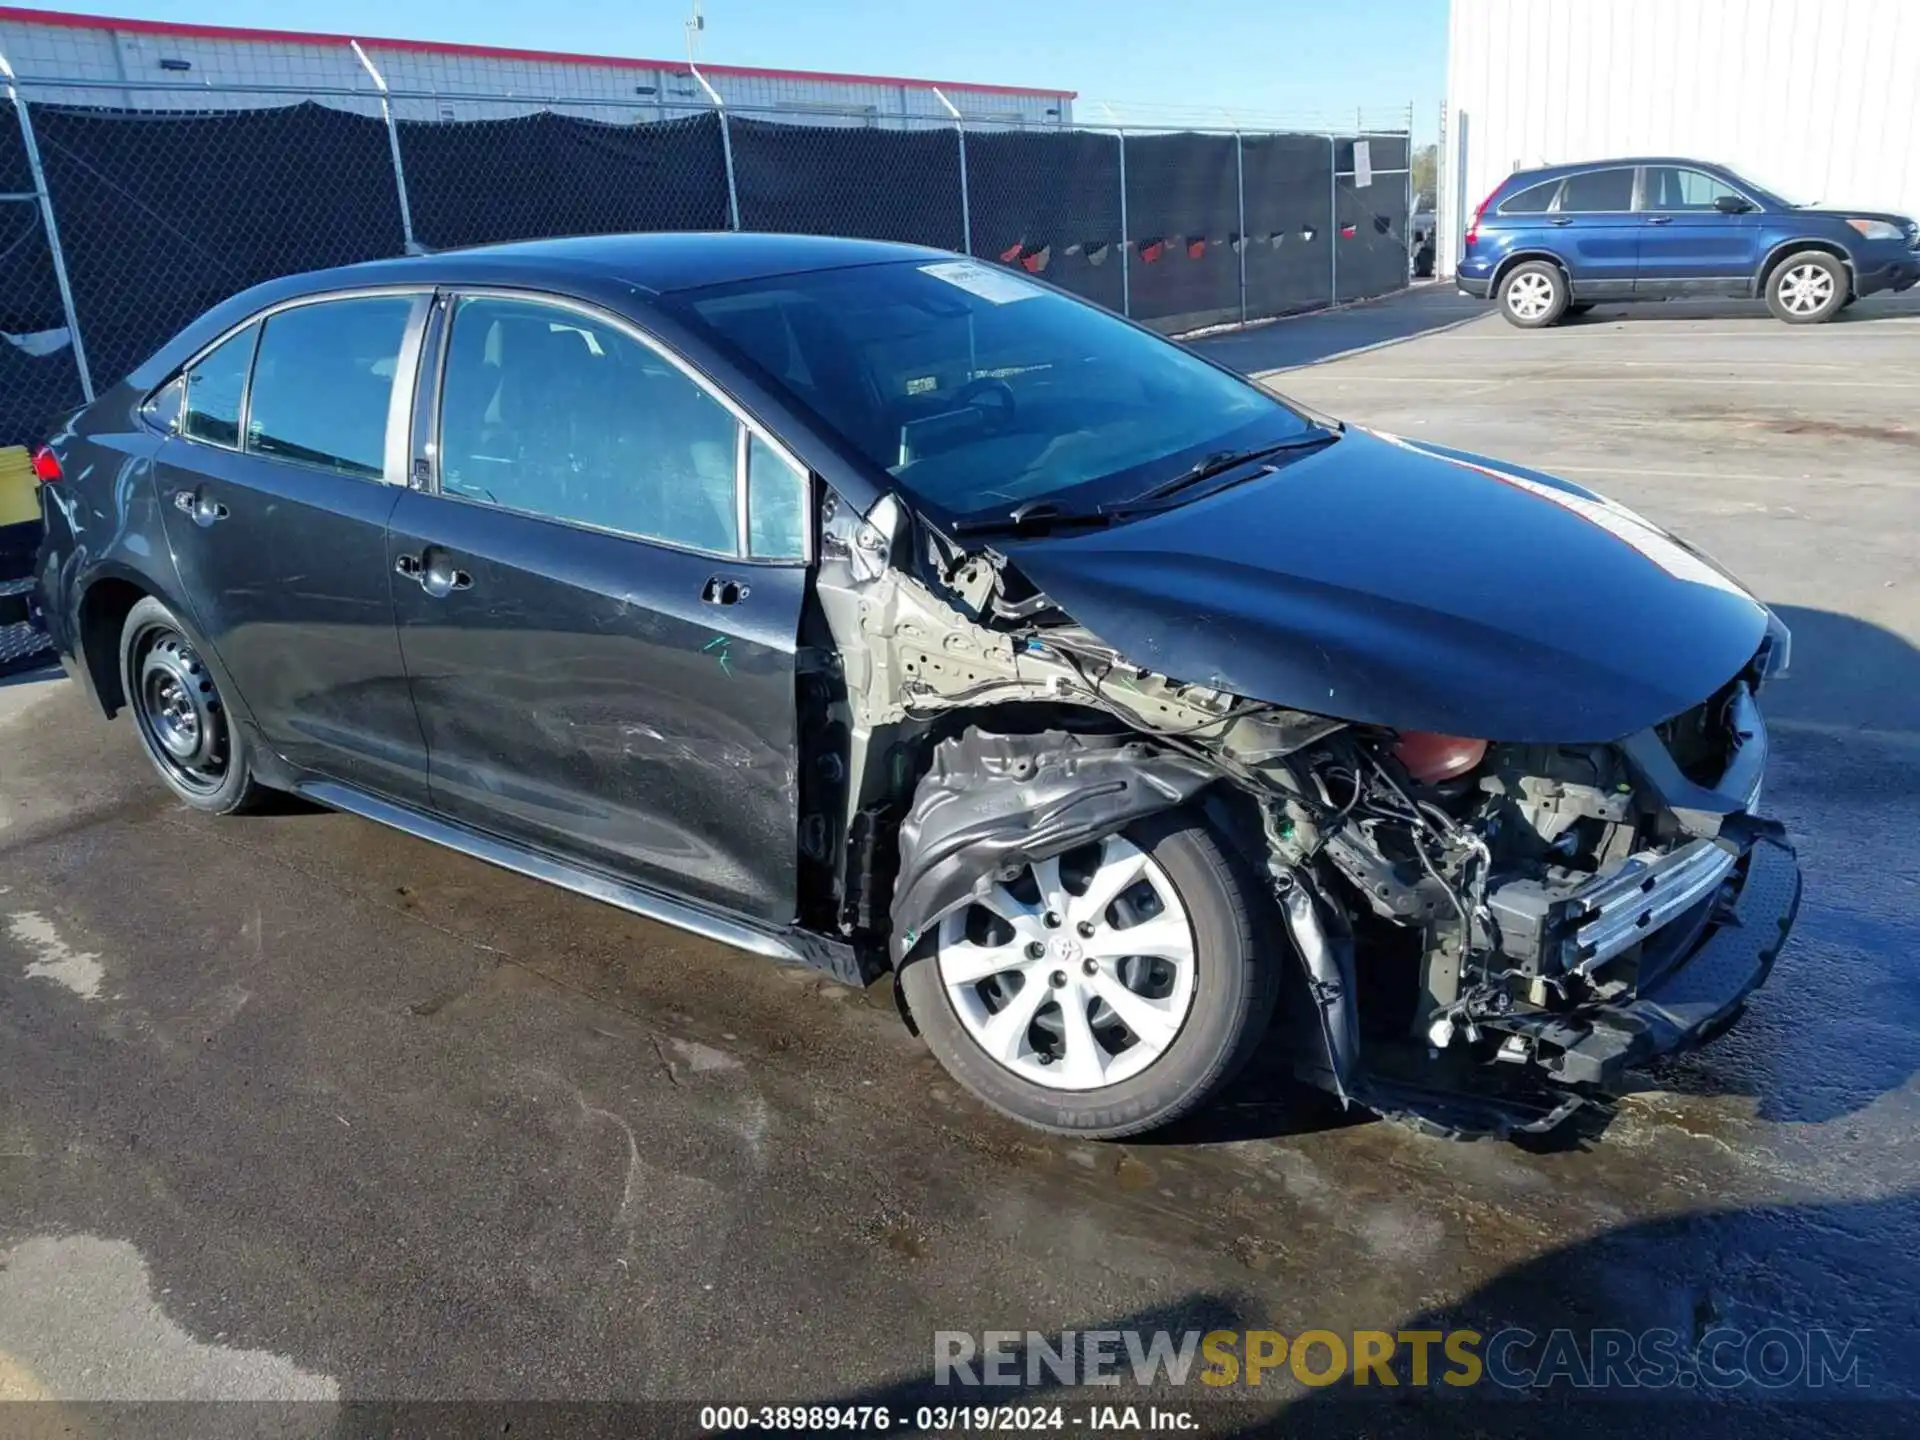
{"x": 980, "y": 391}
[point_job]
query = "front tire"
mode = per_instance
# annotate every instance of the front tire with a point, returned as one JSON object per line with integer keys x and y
{"x": 1102, "y": 993}
{"x": 1534, "y": 295}
{"x": 1808, "y": 288}
{"x": 183, "y": 722}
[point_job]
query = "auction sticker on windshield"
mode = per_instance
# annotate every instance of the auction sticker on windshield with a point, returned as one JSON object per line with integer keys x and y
{"x": 996, "y": 286}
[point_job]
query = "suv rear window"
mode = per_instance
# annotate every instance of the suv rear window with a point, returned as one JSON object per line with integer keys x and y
{"x": 1597, "y": 191}
{"x": 1534, "y": 200}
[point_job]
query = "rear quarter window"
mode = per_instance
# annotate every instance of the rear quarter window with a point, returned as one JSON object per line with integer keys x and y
{"x": 214, "y": 390}
{"x": 1534, "y": 200}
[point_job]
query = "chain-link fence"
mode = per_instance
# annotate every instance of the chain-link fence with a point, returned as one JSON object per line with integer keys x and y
{"x": 159, "y": 210}
{"x": 38, "y": 372}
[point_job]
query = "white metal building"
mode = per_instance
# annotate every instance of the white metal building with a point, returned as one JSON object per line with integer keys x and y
{"x": 148, "y": 64}
{"x": 1818, "y": 100}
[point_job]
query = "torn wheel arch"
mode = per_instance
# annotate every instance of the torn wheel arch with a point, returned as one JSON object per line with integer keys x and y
{"x": 991, "y": 801}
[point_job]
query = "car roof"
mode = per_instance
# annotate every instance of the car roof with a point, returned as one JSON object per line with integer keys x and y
{"x": 659, "y": 262}
{"x": 1544, "y": 173}
{"x": 615, "y": 270}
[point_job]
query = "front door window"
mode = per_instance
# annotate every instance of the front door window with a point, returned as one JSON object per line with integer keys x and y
{"x": 551, "y": 412}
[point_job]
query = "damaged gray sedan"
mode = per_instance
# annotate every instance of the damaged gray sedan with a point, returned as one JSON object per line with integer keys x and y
{"x": 882, "y": 609}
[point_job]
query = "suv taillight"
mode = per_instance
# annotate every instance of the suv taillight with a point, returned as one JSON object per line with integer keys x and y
{"x": 46, "y": 466}
{"x": 1473, "y": 225}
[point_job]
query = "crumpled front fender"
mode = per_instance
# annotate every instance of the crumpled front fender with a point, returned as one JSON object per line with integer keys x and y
{"x": 993, "y": 802}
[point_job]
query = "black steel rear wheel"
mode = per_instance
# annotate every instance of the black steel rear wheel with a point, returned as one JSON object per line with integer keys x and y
{"x": 183, "y": 722}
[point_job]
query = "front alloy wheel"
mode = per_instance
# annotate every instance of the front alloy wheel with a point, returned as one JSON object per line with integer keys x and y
{"x": 1808, "y": 288}
{"x": 1077, "y": 972}
{"x": 1805, "y": 289}
{"x": 1103, "y": 991}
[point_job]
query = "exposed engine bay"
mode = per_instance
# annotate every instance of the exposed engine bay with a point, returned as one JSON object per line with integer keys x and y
{"x": 1480, "y": 930}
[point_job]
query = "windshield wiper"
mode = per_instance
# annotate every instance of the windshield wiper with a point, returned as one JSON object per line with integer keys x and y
{"x": 1030, "y": 517}
{"x": 1221, "y": 462}
{"x": 1039, "y": 517}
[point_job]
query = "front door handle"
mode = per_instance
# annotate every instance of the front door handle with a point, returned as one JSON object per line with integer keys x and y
{"x": 1561, "y": 220}
{"x": 205, "y": 511}
{"x": 1659, "y": 220}
{"x": 433, "y": 573}
{"x": 719, "y": 590}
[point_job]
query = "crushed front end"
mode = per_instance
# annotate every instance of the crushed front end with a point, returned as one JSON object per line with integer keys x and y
{"x": 1504, "y": 930}
{"x": 1477, "y": 936}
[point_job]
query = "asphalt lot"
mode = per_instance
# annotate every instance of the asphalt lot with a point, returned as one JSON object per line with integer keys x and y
{"x": 293, "y": 1107}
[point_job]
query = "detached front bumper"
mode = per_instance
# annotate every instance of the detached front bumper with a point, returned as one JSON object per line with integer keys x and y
{"x": 1700, "y": 926}
{"x": 1716, "y": 957}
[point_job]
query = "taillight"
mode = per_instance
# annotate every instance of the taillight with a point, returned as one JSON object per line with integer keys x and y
{"x": 1473, "y": 225}
{"x": 46, "y": 466}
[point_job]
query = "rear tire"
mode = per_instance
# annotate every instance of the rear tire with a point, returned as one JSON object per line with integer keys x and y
{"x": 183, "y": 722}
{"x": 1807, "y": 288}
{"x": 1534, "y": 295}
{"x": 1198, "y": 1029}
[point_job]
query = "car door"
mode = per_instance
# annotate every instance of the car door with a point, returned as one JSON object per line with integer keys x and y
{"x": 276, "y": 484}
{"x": 599, "y": 595}
{"x": 1601, "y": 234}
{"x": 1688, "y": 245}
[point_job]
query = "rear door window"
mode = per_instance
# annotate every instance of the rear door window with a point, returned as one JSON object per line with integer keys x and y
{"x": 323, "y": 383}
{"x": 216, "y": 388}
{"x": 552, "y": 412}
{"x": 1534, "y": 200}
{"x": 1597, "y": 192}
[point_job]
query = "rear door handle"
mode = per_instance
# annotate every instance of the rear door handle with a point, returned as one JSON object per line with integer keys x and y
{"x": 1561, "y": 220}
{"x": 1659, "y": 220}
{"x": 433, "y": 572}
{"x": 719, "y": 590}
{"x": 204, "y": 511}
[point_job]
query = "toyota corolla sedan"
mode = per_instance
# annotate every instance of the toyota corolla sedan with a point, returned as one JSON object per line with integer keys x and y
{"x": 883, "y": 610}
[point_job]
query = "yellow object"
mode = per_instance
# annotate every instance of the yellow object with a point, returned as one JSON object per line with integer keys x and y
{"x": 19, "y": 497}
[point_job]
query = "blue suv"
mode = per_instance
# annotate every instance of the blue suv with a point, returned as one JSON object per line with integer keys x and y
{"x": 1554, "y": 242}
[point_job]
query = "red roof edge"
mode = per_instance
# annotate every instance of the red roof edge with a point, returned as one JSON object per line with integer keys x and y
{"x": 438, "y": 47}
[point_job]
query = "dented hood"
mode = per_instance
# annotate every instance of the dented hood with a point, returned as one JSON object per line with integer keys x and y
{"x": 1401, "y": 584}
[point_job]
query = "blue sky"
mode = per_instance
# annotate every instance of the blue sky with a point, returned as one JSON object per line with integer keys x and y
{"x": 1268, "y": 56}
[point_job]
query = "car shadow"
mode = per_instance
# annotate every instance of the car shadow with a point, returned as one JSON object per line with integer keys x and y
{"x": 1323, "y": 335}
{"x": 1773, "y": 1319}
{"x": 1846, "y": 673}
{"x": 1570, "y": 1340}
{"x": 1264, "y": 1102}
{"x": 1862, "y": 312}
